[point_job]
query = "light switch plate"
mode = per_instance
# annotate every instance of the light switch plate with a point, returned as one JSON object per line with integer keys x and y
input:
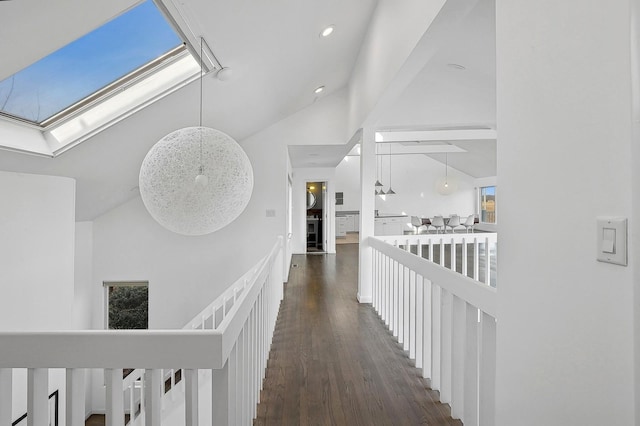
{"x": 612, "y": 240}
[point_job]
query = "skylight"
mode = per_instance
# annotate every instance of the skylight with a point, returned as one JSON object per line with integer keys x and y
{"x": 90, "y": 66}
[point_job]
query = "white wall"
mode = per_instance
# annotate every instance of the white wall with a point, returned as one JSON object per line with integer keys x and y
{"x": 635, "y": 156}
{"x": 83, "y": 276}
{"x": 347, "y": 178}
{"x": 37, "y": 217}
{"x": 186, "y": 273}
{"x": 565, "y": 330}
{"x": 413, "y": 179}
{"x": 395, "y": 29}
{"x": 37, "y": 251}
{"x": 83, "y": 290}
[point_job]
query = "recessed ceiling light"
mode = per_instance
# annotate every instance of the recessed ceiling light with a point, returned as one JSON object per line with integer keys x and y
{"x": 327, "y": 31}
{"x": 457, "y": 66}
{"x": 318, "y": 90}
{"x": 313, "y": 154}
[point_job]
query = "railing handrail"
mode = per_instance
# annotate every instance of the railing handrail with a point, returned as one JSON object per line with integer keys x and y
{"x": 477, "y": 294}
{"x": 445, "y": 238}
{"x": 152, "y": 349}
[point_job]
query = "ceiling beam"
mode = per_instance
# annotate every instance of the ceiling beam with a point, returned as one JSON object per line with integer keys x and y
{"x": 435, "y": 135}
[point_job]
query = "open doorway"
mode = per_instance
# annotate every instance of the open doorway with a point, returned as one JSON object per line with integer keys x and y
{"x": 316, "y": 199}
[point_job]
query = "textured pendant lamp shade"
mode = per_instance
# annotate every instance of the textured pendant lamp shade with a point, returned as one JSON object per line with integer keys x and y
{"x": 196, "y": 180}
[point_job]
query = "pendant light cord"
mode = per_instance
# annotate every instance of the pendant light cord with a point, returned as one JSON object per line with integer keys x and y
{"x": 201, "y": 75}
{"x": 446, "y": 168}
{"x": 200, "y": 122}
{"x": 389, "y": 166}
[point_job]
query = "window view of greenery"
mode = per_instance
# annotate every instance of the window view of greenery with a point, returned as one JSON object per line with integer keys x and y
{"x": 488, "y": 204}
{"x": 129, "y": 307}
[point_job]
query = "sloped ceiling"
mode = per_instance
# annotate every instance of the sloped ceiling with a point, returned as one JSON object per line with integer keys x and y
{"x": 445, "y": 96}
{"x": 273, "y": 47}
{"x": 277, "y": 58}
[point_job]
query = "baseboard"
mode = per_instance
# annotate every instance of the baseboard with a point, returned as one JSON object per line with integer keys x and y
{"x": 362, "y": 299}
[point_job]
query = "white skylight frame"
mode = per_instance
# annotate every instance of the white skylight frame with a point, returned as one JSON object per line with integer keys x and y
{"x": 124, "y": 97}
{"x": 119, "y": 104}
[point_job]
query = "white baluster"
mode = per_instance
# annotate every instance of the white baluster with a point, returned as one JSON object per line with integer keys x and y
{"x": 38, "y": 397}
{"x": 445, "y": 361}
{"x": 487, "y": 262}
{"x": 240, "y": 373}
{"x": 430, "y": 249}
{"x": 457, "y": 355}
{"x": 419, "y": 315}
{"x": 436, "y": 337}
{"x": 412, "y": 315}
{"x": 6, "y": 395}
{"x": 233, "y": 384}
{"x": 252, "y": 358}
{"x": 487, "y": 370}
{"x": 476, "y": 259}
{"x": 442, "y": 263}
{"x": 374, "y": 277}
{"x": 380, "y": 274}
{"x": 75, "y": 397}
{"x": 400, "y": 322}
{"x": 419, "y": 250}
{"x": 154, "y": 387}
{"x": 385, "y": 289}
{"x": 220, "y": 396}
{"x": 427, "y": 329}
{"x": 392, "y": 292}
{"x": 405, "y": 308}
{"x": 471, "y": 367}
{"x": 453, "y": 254}
{"x": 115, "y": 398}
{"x": 132, "y": 400}
{"x": 191, "y": 396}
{"x": 464, "y": 257}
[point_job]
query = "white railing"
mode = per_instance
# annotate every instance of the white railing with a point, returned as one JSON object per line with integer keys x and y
{"x": 473, "y": 255}
{"x": 444, "y": 319}
{"x": 229, "y": 346}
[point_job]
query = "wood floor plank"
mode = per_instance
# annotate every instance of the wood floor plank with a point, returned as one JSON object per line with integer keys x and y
{"x": 333, "y": 362}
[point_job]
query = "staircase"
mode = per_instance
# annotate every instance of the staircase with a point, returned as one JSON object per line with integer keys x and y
{"x": 210, "y": 372}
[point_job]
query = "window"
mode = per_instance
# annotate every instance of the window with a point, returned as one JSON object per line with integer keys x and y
{"x": 100, "y": 78}
{"x": 127, "y": 305}
{"x": 88, "y": 65}
{"x": 488, "y": 204}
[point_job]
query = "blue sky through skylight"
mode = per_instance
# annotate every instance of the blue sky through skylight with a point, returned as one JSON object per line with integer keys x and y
{"x": 88, "y": 64}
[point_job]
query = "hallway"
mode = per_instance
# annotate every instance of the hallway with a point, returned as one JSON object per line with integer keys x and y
{"x": 332, "y": 361}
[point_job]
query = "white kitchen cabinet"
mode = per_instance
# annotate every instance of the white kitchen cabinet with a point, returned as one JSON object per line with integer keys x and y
{"x": 341, "y": 226}
{"x": 392, "y": 225}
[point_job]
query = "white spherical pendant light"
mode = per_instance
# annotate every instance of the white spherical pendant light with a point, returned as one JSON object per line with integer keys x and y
{"x": 196, "y": 180}
{"x": 446, "y": 185}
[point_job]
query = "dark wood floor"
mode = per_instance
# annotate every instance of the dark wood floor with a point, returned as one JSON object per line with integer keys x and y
{"x": 333, "y": 362}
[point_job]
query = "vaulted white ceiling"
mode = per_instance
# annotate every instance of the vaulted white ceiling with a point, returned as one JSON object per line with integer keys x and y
{"x": 277, "y": 59}
{"x": 273, "y": 47}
